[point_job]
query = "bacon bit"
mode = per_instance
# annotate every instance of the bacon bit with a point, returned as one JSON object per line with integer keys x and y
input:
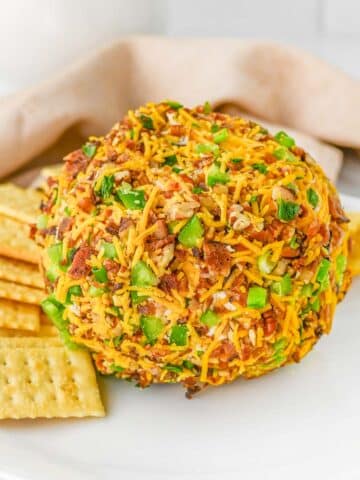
{"x": 76, "y": 162}
{"x": 269, "y": 323}
{"x": 32, "y": 231}
{"x": 288, "y": 252}
{"x": 169, "y": 282}
{"x": 325, "y": 233}
{"x": 269, "y": 158}
{"x": 225, "y": 352}
{"x": 125, "y": 223}
{"x": 161, "y": 231}
{"x": 47, "y": 206}
{"x": 130, "y": 144}
{"x": 298, "y": 151}
{"x": 217, "y": 258}
{"x": 337, "y": 235}
{"x": 65, "y": 225}
{"x": 147, "y": 308}
{"x": 79, "y": 267}
{"x": 336, "y": 210}
{"x": 86, "y": 204}
{"x": 177, "y": 130}
{"x": 153, "y": 244}
{"x": 51, "y": 181}
{"x": 186, "y": 178}
{"x": 112, "y": 228}
{"x": 111, "y": 266}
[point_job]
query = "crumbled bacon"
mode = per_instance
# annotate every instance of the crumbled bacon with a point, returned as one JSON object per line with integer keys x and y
{"x": 336, "y": 210}
{"x": 76, "y": 162}
{"x": 225, "y": 352}
{"x": 111, "y": 266}
{"x": 125, "y": 223}
{"x": 79, "y": 268}
{"x": 86, "y": 204}
{"x": 65, "y": 225}
{"x": 169, "y": 282}
{"x": 177, "y": 130}
{"x": 218, "y": 258}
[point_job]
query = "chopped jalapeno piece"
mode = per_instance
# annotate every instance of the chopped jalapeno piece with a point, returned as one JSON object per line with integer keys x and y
{"x": 315, "y": 305}
{"x": 147, "y": 122}
{"x": 151, "y": 326}
{"x": 257, "y": 297}
{"x": 215, "y": 175}
{"x": 142, "y": 275}
{"x": 95, "y": 291}
{"x": 341, "y": 262}
{"x": 283, "y": 287}
{"x": 42, "y": 222}
{"x": 307, "y": 290}
{"x": 67, "y": 211}
{"x": 323, "y": 271}
{"x": 53, "y": 272}
{"x": 207, "y": 148}
{"x": 287, "y": 210}
{"x": 207, "y": 108}
{"x": 132, "y": 199}
{"x": 221, "y": 136}
{"x": 74, "y": 290}
{"x": 109, "y": 250}
{"x": 312, "y": 197}
{"x": 55, "y": 253}
{"x": 174, "y": 105}
{"x": 283, "y": 153}
{"x": 191, "y": 233}
{"x": 209, "y": 318}
{"x": 173, "y": 368}
{"x": 170, "y": 160}
{"x": 261, "y": 167}
{"x": 54, "y": 310}
{"x": 106, "y": 187}
{"x": 100, "y": 274}
{"x": 215, "y": 128}
{"x": 89, "y": 149}
{"x": 284, "y": 139}
{"x": 189, "y": 365}
{"x": 264, "y": 262}
{"x": 293, "y": 243}
{"x": 116, "y": 368}
{"x": 178, "y": 335}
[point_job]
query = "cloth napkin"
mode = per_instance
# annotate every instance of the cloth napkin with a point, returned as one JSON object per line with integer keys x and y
{"x": 318, "y": 104}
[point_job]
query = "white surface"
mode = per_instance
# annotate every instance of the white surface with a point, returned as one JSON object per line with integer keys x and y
{"x": 300, "y": 422}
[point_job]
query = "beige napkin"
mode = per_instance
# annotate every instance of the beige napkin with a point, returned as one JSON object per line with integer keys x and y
{"x": 278, "y": 84}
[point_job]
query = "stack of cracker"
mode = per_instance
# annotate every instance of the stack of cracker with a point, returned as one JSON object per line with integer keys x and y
{"x": 39, "y": 377}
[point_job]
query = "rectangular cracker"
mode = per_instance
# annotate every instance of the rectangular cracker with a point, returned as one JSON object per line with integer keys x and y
{"x": 21, "y": 293}
{"x": 20, "y": 272}
{"x": 19, "y": 203}
{"x": 30, "y": 342}
{"x": 47, "y": 382}
{"x": 15, "y": 241}
{"x": 44, "y": 331}
{"x": 17, "y": 315}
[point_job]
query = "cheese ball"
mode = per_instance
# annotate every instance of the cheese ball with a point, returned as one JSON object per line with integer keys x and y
{"x": 191, "y": 246}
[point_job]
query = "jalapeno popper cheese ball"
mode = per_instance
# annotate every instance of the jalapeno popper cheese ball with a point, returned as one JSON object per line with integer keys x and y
{"x": 191, "y": 246}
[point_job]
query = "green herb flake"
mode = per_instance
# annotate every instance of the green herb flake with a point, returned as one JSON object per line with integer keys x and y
{"x": 176, "y": 169}
{"x": 173, "y": 368}
{"x": 146, "y": 122}
{"x": 116, "y": 368}
{"x": 287, "y": 211}
{"x": 237, "y": 160}
{"x": 170, "y": 160}
{"x": 312, "y": 197}
{"x": 174, "y": 105}
{"x": 215, "y": 128}
{"x": 106, "y": 187}
{"x": 197, "y": 190}
{"x": 260, "y": 167}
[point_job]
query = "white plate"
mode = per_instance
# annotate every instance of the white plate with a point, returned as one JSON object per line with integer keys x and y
{"x": 302, "y": 421}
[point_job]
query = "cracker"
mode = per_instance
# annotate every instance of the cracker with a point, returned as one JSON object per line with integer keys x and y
{"x": 20, "y": 272}
{"x": 21, "y": 293}
{"x": 47, "y": 382}
{"x": 44, "y": 331}
{"x": 16, "y": 315}
{"x": 15, "y": 241}
{"x": 354, "y": 256}
{"x": 30, "y": 342}
{"x": 18, "y": 203}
